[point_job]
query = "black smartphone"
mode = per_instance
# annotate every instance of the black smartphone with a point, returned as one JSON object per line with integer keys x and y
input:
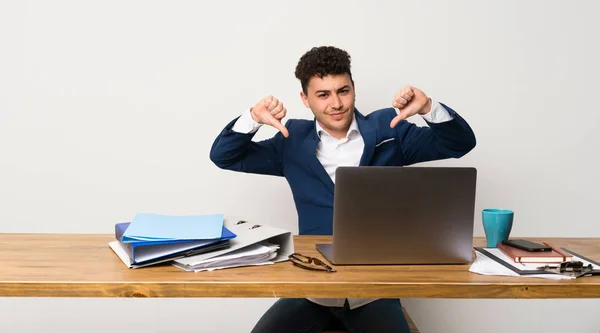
{"x": 526, "y": 245}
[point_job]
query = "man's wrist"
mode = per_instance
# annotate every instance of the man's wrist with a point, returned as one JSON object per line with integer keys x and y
{"x": 246, "y": 123}
{"x": 437, "y": 114}
{"x": 252, "y": 115}
{"x": 427, "y": 108}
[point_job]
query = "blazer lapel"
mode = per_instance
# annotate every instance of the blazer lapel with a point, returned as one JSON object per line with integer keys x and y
{"x": 310, "y": 146}
{"x": 369, "y": 134}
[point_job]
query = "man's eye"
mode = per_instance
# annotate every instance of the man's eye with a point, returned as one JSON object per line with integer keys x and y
{"x": 322, "y": 95}
{"x": 344, "y": 92}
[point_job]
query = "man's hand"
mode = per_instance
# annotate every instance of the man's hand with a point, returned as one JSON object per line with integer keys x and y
{"x": 410, "y": 101}
{"x": 270, "y": 111}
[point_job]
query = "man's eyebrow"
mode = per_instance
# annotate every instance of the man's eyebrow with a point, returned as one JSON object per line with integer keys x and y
{"x": 326, "y": 91}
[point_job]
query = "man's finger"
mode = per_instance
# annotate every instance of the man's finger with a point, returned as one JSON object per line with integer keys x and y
{"x": 278, "y": 125}
{"x": 398, "y": 106}
{"x": 403, "y": 114}
{"x": 401, "y": 101}
{"x": 397, "y": 119}
{"x": 273, "y": 104}
{"x": 267, "y": 101}
{"x": 281, "y": 114}
{"x": 408, "y": 111}
{"x": 277, "y": 109}
{"x": 272, "y": 121}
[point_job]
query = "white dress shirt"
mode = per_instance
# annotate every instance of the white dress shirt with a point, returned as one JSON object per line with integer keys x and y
{"x": 333, "y": 153}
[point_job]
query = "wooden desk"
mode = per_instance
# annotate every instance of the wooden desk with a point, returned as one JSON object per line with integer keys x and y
{"x": 49, "y": 265}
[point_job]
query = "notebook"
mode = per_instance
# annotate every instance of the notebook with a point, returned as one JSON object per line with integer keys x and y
{"x": 543, "y": 257}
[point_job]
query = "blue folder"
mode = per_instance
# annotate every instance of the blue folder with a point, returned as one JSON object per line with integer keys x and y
{"x": 157, "y": 227}
{"x": 143, "y": 252}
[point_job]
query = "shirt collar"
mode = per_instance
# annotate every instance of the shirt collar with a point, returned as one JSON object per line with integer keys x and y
{"x": 353, "y": 128}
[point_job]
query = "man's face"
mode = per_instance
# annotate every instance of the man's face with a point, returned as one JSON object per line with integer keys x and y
{"x": 331, "y": 100}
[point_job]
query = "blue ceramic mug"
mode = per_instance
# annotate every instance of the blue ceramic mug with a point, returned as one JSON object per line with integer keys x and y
{"x": 497, "y": 224}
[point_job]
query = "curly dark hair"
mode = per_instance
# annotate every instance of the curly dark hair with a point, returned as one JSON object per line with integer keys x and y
{"x": 322, "y": 61}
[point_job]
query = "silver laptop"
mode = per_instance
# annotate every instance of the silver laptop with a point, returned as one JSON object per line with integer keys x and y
{"x": 402, "y": 215}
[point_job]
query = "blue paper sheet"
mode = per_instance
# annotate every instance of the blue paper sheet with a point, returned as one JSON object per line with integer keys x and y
{"x": 155, "y": 227}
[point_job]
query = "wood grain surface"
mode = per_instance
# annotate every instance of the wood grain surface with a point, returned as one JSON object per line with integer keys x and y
{"x": 82, "y": 265}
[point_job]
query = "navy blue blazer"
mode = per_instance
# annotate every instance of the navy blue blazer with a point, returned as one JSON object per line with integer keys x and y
{"x": 295, "y": 157}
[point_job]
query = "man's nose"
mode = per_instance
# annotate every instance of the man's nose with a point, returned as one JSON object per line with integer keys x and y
{"x": 336, "y": 103}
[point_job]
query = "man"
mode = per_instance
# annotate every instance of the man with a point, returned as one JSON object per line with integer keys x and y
{"x": 307, "y": 153}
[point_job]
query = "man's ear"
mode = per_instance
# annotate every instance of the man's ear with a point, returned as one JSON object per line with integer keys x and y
{"x": 304, "y": 99}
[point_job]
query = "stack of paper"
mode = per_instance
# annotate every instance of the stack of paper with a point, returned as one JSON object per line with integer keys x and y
{"x": 151, "y": 239}
{"x": 254, "y": 244}
{"x": 487, "y": 266}
{"x": 253, "y": 255}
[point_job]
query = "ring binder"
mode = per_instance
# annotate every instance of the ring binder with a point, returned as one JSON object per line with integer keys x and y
{"x": 246, "y": 237}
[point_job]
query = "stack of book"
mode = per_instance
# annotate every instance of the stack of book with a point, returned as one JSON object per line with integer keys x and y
{"x": 546, "y": 261}
{"x": 554, "y": 256}
{"x": 150, "y": 239}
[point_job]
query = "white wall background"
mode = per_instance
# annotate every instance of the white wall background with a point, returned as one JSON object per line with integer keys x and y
{"x": 109, "y": 108}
